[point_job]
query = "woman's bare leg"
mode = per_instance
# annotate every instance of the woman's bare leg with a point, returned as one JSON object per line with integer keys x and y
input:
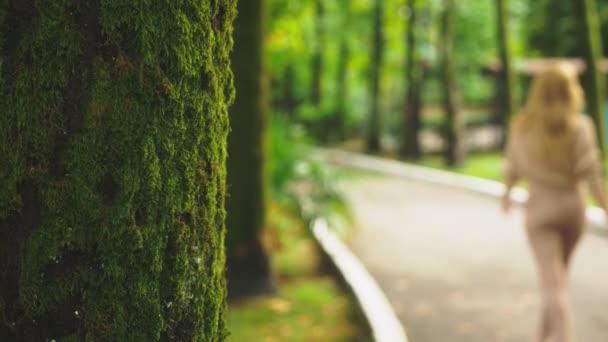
{"x": 570, "y": 238}
{"x": 547, "y": 246}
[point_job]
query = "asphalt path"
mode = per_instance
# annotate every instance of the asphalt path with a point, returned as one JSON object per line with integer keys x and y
{"x": 455, "y": 268}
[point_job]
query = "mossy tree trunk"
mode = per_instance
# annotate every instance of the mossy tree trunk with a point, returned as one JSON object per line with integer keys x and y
{"x": 506, "y": 87}
{"x": 414, "y": 74}
{"x": 112, "y": 164}
{"x": 248, "y": 264}
{"x": 316, "y": 86}
{"x": 589, "y": 30}
{"x": 375, "y": 122}
{"x": 454, "y": 128}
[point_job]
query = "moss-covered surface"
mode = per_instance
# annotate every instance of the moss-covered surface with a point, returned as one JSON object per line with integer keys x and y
{"x": 112, "y": 150}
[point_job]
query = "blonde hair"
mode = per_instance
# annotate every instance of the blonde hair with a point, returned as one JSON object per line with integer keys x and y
{"x": 550, "y": 114}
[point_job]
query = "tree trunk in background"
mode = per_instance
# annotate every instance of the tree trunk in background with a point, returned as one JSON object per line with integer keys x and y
{"x": 317, "y": 58}
{"x": 289, "y": 96}
{"x": 374, "y": 125}
{"x": 455, "y": 151}
{"x": 589, "y": 31}
{"x": 507, "y": 99}
{"x": 248, "y": 266}
{"x": 343, "y": 59}
{"x": 112, "y": 164}
{"x": 410, "y": 147}
{"x": 550, "y": 28}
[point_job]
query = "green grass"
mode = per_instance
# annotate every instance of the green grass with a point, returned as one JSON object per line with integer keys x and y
{"x": 308, "y": 306}
{"x": 486, "y": 165}
{"x": 471, "y": 119}
{"x": 305, "y": 310}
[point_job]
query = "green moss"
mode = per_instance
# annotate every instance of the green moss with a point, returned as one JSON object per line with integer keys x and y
{"x": 113, "y": 145}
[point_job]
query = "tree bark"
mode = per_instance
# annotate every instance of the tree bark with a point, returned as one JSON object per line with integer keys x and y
{"x": 410, "y": 147}
{"x": 374, "y": 126}
{"x": 507, "y": 99}
{"x": 455, "y": 151}
{"x": 112, "y": 164}
{"x": 589, "y": 30}
{"x": 248, "y": 265}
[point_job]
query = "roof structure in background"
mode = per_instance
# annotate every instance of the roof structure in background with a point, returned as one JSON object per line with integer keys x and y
{"x": 532, "y": 66}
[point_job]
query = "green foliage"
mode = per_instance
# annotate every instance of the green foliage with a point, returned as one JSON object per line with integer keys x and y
{"x": 539, "y": 28}
{"x": 299, "y": 180}
{"x": 308, "y": 307}
{"x": 486, "y": 165}
{"x": 288, "y": 146}
{"x": 474, "y": 46}
{"x": 112, "y": 151}
{"x": 292, "y": 39}
{"x": 472, "y": 119}
{"x": 552, "y": 29}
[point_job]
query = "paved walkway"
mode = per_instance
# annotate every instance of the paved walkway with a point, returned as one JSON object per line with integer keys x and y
{"x": 456, "y": 269}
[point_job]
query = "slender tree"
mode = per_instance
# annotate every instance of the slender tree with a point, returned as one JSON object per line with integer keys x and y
{"x": 455, "y": 152}
{"x": 248, "y": 263}
{"x": 550, "y": 29}
{"x": 317, "y": 58}
{"x": 414, "y": 74}
{"x": 289, "y": 96}
{"x": 507, "y": 103}
{"x": 112, "y": 164}
{"x": 343, "y": 59}
{"x": 374, "y": 126}
{"x": 588, "y": 22}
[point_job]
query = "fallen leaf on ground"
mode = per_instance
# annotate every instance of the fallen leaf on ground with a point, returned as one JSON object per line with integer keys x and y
{"x": 280, "y": 305}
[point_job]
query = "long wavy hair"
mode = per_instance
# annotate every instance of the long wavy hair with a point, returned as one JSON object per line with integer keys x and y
{"x": 549, "y": 116}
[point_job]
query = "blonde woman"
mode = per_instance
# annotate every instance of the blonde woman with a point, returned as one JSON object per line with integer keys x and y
{"x": 553, "y": 147}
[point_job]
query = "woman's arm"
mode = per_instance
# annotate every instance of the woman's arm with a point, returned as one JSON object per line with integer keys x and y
{"x": 509, "y": 174}
{"x": 596, "y": 185}
{"x": 589, "y": 162}
{"x": 510, "y": 179}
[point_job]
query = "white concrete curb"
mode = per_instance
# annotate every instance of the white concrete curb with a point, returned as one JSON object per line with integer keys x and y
{"x": 385, "y": 325}
{"x": 596, "y": 218}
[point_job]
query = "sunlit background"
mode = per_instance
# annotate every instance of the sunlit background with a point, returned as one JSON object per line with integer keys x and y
{"x": 422, "y": 81}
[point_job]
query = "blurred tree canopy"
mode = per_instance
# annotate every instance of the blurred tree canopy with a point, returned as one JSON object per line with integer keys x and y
{"x": 552, "y": 28}
{"x": 292, "y": 44}
{"x": 540, "y": 28}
